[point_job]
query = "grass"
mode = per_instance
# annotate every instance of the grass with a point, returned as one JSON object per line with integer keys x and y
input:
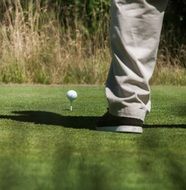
{"x": 45, "y": 146}
{"x": 60, "y": 42}
{"x": 36, "y": 47}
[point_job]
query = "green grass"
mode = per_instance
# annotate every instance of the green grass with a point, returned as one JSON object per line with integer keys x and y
{"x": 44, "y": 146}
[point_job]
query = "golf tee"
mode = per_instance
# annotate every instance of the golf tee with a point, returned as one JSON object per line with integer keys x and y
{"x": 70, "y": 105}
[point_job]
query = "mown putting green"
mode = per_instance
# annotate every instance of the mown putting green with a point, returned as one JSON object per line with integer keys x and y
{"x": 45, "y": 146}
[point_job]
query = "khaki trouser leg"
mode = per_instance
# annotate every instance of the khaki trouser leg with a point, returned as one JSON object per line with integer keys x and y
{"x": 135, "y": 33}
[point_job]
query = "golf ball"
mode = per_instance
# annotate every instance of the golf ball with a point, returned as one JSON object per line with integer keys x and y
{"x": 71, "y": 95}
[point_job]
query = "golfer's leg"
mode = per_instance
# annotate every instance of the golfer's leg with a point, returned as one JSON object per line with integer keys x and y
{"x": 135, "y": 33}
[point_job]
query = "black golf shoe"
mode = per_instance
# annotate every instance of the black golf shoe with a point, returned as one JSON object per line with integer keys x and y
{"x": 113, "y": 123}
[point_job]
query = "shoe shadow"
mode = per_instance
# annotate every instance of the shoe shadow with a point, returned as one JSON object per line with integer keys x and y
{"x": 76, "y": 122}
{"x": 50, "y": 118}
{"x": 165, "y": 126}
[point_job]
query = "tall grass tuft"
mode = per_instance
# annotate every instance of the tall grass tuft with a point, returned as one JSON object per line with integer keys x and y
{"x": 38, "y": 45}
{"x": 171, "y": 63}
{"x": 35, "y": 48}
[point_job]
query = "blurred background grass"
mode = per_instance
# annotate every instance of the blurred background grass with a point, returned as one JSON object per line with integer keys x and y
{"x": 61, "y": 42}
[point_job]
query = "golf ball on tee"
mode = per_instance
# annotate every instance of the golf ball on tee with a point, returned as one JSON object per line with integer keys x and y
{"x": 71, "y": 95}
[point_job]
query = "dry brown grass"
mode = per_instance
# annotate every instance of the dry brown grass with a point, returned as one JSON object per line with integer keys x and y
{"x": 35, "y": 48}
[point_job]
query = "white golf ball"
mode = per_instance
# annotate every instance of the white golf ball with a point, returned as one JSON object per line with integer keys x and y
{"x": 72, "y": 95}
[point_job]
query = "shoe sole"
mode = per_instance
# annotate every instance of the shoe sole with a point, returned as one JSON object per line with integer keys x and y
{"x": 121, "y": 128}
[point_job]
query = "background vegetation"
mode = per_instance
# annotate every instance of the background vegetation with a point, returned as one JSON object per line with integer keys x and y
{"x": 59, "y": 41}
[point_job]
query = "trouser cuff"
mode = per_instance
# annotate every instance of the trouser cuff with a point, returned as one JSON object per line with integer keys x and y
{"x": 129, "y": 112}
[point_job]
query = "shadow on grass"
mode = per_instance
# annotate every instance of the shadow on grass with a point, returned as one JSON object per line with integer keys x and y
{"x": 50, "y": 118}
{"x": 86, "y": 175}
{"x": 162, "y": 159}
{"x": 77, "y": 122}
{"x": 165, "y": 126}
{"x": 94, "y": 176}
